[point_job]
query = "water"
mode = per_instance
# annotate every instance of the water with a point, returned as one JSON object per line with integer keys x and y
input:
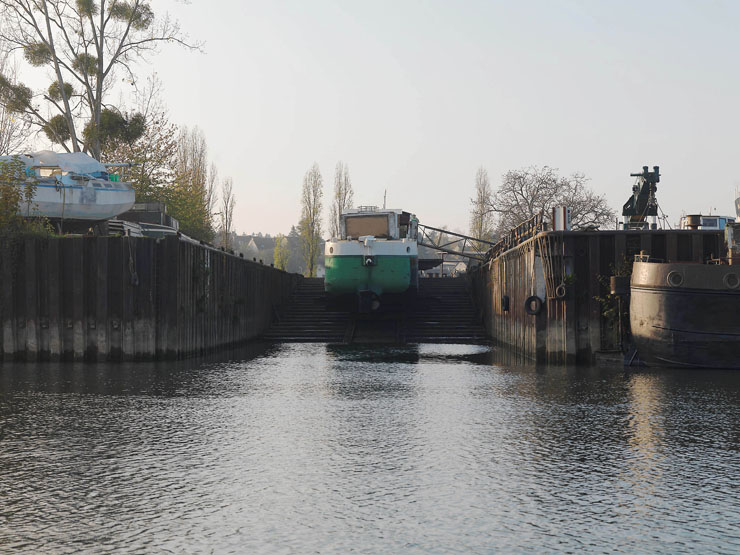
{"x": 313, "y": 448}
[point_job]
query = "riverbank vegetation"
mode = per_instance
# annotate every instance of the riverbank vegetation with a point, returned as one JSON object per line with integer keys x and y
{"x": 16, "y": 201}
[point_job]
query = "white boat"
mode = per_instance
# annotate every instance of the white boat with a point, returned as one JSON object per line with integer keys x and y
{"x": 74, "y": 186}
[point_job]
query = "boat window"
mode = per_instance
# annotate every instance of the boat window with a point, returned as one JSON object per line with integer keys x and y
{"x": 375, "y": 225}
{"x": 710, "y": 223}
{"x": 48, "y": 172}
{"x": 108, "y": 185}
{"x": 403, "y": 231}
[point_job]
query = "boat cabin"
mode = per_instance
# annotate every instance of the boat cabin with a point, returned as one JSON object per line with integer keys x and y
{"x": 379, "y": 223}
{"x": 697, "y": 221}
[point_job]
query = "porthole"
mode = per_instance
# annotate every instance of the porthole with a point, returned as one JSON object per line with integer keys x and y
{"x": 408, "y": 249}
{"x": 331, "y": 250}
{"x": 675, "y": 279}
{"x": 731, "y": 281}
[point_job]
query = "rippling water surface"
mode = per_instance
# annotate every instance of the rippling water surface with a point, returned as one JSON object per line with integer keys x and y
{"x": 299, "y": 448}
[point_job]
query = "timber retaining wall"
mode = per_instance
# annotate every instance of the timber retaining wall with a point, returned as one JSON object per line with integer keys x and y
{"x": 572, "y": 326}
{"x": 123, "y": 298}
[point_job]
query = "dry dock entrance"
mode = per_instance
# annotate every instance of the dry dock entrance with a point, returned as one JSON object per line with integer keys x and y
{"x": 442, "y": 312}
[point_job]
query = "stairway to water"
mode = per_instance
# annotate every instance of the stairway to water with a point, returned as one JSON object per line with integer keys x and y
{"x": 442, "y": 312}
{"x": 308, "y": 317}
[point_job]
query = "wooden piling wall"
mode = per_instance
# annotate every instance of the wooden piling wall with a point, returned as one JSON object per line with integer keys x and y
{"x": 571, "y": 328}
{"x": 122, "y": 298}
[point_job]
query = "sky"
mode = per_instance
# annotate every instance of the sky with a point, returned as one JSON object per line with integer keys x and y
{"x": 415, "y": 96}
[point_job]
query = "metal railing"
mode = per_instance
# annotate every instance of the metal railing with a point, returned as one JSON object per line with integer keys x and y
{"x": 453, "y": 243}
{"x": 523, "y": 232}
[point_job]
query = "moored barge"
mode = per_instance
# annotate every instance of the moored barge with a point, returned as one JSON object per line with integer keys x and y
{"x": 377, "y": 254}
{"x": 684, "y": 314}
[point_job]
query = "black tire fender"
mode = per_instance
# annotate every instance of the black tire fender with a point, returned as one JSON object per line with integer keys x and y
{"x": 533, "y": 305}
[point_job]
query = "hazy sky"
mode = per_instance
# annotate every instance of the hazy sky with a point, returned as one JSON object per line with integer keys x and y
{"x": 415, "y": 96}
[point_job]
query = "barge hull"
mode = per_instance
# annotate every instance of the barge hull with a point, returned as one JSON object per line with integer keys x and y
{"x": 694, "y": 326}
{"x": 349, "y": 274}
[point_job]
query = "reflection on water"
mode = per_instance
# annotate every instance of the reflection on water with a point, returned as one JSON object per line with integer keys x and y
{"x": 647, "y": 435}
{"x": 334, "y": 448}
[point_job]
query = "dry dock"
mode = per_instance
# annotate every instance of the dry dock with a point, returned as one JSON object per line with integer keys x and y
{"x": 568, "y": 272}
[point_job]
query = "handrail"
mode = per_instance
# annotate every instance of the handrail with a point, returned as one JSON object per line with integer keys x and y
{"x": 462, "y": 245}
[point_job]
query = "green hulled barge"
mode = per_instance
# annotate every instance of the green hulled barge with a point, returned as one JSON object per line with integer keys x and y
{"x": 377, "y": 255}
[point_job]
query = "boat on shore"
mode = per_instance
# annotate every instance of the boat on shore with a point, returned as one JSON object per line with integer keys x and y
{"x": 376, "y": 255}
{"x": 74, "y": 186}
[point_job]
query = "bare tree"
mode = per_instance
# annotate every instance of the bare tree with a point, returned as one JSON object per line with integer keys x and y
{"x": 310, "y": 224}
{"x": 532, "y": 190}
{"x": 226, "y": 215}
{"x": 83, "y": 44}
{"x": 14, "y": 129}
{"x": 343, "y": 196}
{"x": 481, "y": 218}
{"x": 211, "y": 193}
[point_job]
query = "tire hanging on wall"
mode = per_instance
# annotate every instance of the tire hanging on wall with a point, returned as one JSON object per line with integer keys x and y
{"x": 533, "y": 305}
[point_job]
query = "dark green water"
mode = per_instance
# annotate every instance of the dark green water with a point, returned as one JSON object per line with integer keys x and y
{"x": 313, "y": 448}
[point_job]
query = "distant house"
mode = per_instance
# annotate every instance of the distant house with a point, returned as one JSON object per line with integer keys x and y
{"x": 259, "y": 247}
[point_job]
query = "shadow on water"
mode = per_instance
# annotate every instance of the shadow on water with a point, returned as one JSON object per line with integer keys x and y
{"x": 161, "y": 378}
{"x": 405, "y": 354}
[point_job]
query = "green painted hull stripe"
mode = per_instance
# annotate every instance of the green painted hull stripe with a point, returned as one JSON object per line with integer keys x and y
{"x": 348, "y": 274}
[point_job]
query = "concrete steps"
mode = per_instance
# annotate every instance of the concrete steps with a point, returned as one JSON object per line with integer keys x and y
{"x": 308, "y": 318}
{"x": 442, "y": 312}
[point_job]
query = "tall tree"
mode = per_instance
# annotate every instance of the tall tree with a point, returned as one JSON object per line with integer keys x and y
{"x": 153, "y": 153}
{"x": 189, "y": 197}
{"x": 481, "y": 217}
{"x": 295, "y": 259}
{"x": 524, "y": 193}
{"x": 226, "y": 215}
{"x": 310, "y": 224}
{"x": 343, "y": 196}
{"x": 86, "y": 46}
{"x": 14, "y": 129}
{"x": 281, "y": 256}
{"x": 211, "y": 193}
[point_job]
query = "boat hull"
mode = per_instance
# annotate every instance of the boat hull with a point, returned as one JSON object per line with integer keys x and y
{"x": 348, "y": 274}
{"x": 72, "y": 186}
{"x": 686, "y": 314}
{"x": 382, "y": 268}
{"x": 80, "y": 202}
